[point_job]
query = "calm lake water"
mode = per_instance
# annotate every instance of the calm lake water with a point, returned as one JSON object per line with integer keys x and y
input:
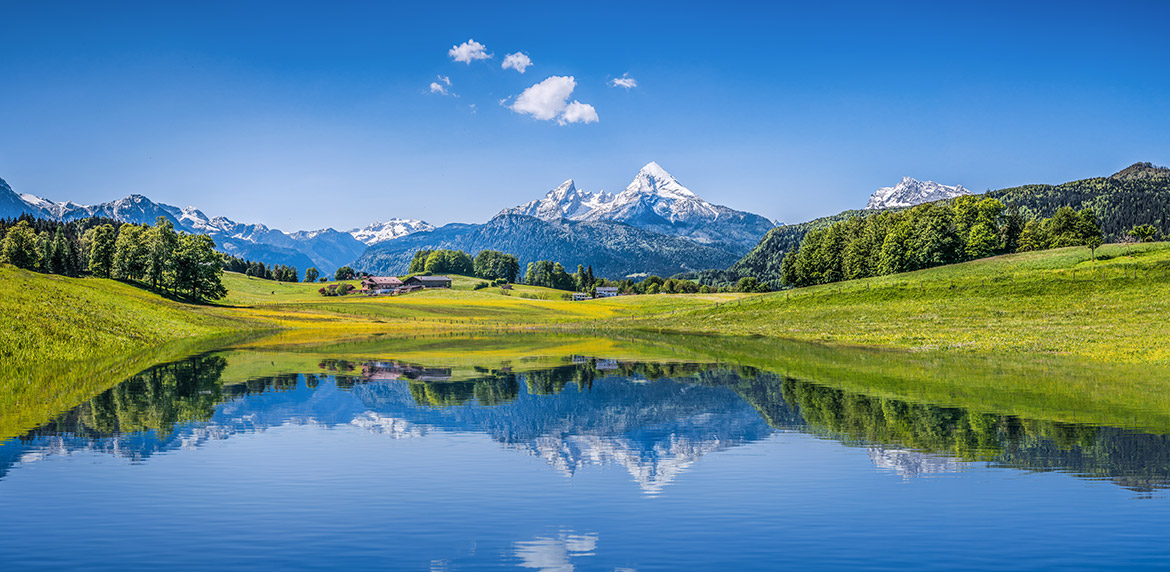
{"x": 252, "y": 459}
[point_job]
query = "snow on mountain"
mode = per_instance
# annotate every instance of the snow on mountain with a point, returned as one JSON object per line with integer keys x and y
{"x": 654, "y": 201}
{"x": 393, "y": 228}
{"x": 910, "y": 192}
{"x": 13, "y": 205}
{"x": 565, "y": 201}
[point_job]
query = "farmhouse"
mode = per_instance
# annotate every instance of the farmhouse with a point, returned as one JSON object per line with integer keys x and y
{"x": 381, "y": 285}
{"x": 428, "y": 282}
{"x": 607, "y": 291}
{"x": 579, "y": 296}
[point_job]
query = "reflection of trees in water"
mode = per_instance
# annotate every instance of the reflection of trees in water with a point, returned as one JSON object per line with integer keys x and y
{"x": 156, "y": 399}
{"x": 1134, "y": 460}
{"x": 498, "y": 387}
{"x": 168, "y": 395}
{"x": 488, "y": 390}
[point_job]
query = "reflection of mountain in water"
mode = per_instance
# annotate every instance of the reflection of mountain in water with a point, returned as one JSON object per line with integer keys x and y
{"x": 568, "y": 415}
{"x": 653, "y": 419}
{"x": 653, "y": 429}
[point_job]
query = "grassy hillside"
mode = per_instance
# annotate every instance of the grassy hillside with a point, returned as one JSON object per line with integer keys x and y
{"x": 1050, "y": 302}
{"x": 79, "y": 318}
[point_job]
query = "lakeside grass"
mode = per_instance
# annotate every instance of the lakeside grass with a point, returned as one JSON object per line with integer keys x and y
{"x": 1049, "y": 302}
{"x": 1057, "y": 302}
{"x": 55, "y": 318}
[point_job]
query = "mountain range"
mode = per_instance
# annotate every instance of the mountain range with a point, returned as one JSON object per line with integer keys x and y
{"x": 656, "y": 225}
{"x": 657, "y": 202}
{"x": 327, "y": 249}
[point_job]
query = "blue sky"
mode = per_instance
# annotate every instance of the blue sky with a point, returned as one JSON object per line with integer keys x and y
{"x": 310, "y": 115}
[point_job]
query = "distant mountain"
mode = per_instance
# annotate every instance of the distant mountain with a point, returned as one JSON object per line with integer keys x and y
{"x": 1139, "y": 171}
{"x": 657, "y": 202}
{"x": 393, "y": 228}
{"x": 909, "y": 192}
{"x": 13, "y": 205}
{"x": 614, "y": 249}
{"x": 327, "y": 249}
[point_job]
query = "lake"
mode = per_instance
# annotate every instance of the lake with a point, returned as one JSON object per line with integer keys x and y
{"x": 574, "y": 453}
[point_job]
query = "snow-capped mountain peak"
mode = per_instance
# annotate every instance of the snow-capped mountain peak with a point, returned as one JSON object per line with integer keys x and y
{"x": 909, "y": 192}
{"x": 393, "y": 228}
{"x": 565, "y": 201}
{"x": 654, "y": 180}
{"x": 654, "y": 201}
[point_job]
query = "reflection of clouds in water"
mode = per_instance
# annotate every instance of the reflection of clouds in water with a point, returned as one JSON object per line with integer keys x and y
{"x": 912, "y": 464}
{"x": 553, "y": 554}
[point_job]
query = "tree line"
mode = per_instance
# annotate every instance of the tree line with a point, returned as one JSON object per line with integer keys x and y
{"x": 276, "y": 272}
{"x": 930, "y": 235}
{"x": 157, "y": 256}
{"x": 495, "y": 266}
{"x": 488, "y": 264}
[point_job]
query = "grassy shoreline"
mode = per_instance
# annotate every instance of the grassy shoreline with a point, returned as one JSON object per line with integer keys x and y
{"x": 1055, "y": 302}
{"x": 1015, "y": 318}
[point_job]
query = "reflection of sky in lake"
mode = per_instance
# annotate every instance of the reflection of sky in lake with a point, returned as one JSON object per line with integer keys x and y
{"x": 659, "y": 475}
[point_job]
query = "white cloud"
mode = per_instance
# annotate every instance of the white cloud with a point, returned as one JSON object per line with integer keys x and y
{"x": 549, "y": 100}
{"x": 625, "y": 81}
{"x": 578, "y": 112}
{"x": 518, "y": 61}
{"x": 441, "y": 88}
{"x": 546, "y": 99}
{"x": 469, "y": 51}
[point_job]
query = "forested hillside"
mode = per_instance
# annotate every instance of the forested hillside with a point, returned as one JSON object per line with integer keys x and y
{"x": 1137, "y": 195}
{"x": 1119, "y": 203}
{"x": 765, "y": 259}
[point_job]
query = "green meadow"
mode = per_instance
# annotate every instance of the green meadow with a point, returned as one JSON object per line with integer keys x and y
{"x": 1058, "y": 302}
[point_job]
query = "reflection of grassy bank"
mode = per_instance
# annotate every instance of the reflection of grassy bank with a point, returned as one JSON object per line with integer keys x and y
{"x": 1135, "y": 460}
{"x": 30, "y": 394}
{"x": 468, "y": 355}
{"x": 1050, "y": 388}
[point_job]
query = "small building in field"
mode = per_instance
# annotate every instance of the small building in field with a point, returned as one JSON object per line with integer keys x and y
{"x": 381, "y": 285}
{"x": 428, "y": 282}
{"x": 607, "y": 291}
{"x": 579, "y": 296}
